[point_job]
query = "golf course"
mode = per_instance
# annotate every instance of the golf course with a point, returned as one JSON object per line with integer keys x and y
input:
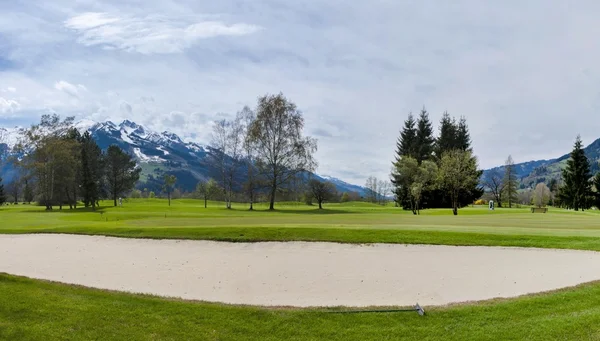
{"x": 58, "y": 309}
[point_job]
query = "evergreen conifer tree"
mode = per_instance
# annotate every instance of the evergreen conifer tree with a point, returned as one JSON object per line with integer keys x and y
{"x": 577, "y": 191}
{"x": 425, "y": 140}
{"x": 510, "y": 182}
{"x": 92, "y": 171}
{"x": 406, "y": 145}
{"x": 2, "y": 194}
{"x": 447, "y": 139}
{"x": 463, "y": 138}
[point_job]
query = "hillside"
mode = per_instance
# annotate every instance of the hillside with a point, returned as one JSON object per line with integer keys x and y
{"x": 156, "y": 153}
{"x": 531, "y": 173}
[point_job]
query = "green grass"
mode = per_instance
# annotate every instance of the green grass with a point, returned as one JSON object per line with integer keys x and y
{"x": 39, "y": 310}
{"x": 346, "y": 223}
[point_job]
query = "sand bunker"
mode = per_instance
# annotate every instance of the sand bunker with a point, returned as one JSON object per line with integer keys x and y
{"x": 296, "y": 274}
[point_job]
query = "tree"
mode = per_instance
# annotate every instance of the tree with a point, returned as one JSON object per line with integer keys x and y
{"x": 372, "y": 189}
{"x": 385, "y": 188}
{"x": 425, "y": 140}
{"x": 541, "y": 195}
{"x": 151, "y": 195}
{"x": 525, "y": 197}
{"x": 136, "y": 194}
{"x": 252, "y": 181}
{"x": 596, "y": 195}
{"x": 322, "y": 191}
{"x": 576, "y": 191}
{"x": 510, "y": 182}
{"x": 282, "y": 151}
{"x": 345, "y": 197}
{"x": 228, "y": 141}
{"x": 92, "y": 170}
{"x": 406, "y": 146}
{"x": 206, "y": 190}
{"x": 463, "y": 137}
{"x": 458, "y": 172}
{"x": 553, "y": 186}
{"x": 404, "y": 173}
{"x": 494, "y": 180}
{"x": 415, "y": 179}
{"x": 168, "y": 185}
{"x": 121, "y": 172}
{"x": 28, "y": 195}
{"x": 2, "y": 194}
{"x": 407, "y": 142}
{"x": 447, "y": 137}
{"x": 49, "y": 156}
{"x": 14, "y": 189}
{"x": 425, "y": 179}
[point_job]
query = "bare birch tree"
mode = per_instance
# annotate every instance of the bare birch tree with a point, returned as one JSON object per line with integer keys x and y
{"x": 282, "y": 152}
{"x": 228, "y": 144}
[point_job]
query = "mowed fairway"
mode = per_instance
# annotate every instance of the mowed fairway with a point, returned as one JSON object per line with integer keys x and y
{"x": 351, "y": 223}
{"x": 33, "y": 309}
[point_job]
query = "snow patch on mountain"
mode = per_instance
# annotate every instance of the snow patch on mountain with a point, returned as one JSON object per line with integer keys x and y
{"x": 125, "y": 137}
{"x": 85, "y": 125}
{"x": 10, "y": 136}
{"x": 145, "y": 158}
{"x": 162, "y": 149}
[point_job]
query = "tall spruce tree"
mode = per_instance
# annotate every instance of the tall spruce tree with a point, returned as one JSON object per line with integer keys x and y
{"x": 463, "y": 138}
{"x": 407, "y": 142}
{"x": 596, "y": 197}
{"x": 447, "y": 139}
{"x": 425, "y": 140}
{"x": 406, "y": 146}
{"x": 2, "y": 194}
{"x": 577, "y": 188}
{"x": 510, "y": 182}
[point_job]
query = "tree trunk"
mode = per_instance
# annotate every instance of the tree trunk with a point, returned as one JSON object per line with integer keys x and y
{"x": 273, "y": 190}
{"x": 320, "y": 205}
{"x": 205, "y": 200}
{"x": 169, "y": 196}
{"x": 115, "y": 200}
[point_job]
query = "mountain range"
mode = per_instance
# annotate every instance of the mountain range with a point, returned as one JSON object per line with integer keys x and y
{"x": 531, "y": 173}
{"x": 157, "y": 153}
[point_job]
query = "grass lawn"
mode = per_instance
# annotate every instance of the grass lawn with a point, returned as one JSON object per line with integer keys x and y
{"x": 39, "y": 310}
{"x": 350, "y": 223}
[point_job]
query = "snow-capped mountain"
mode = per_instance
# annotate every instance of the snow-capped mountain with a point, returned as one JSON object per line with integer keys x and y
{"x": 156, "y": 152}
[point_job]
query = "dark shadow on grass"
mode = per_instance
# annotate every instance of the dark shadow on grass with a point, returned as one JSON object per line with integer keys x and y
{"x": 311, "y": 212}
{"x": 67, "y": 210}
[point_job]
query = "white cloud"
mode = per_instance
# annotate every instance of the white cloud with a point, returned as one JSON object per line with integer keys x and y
{"x": 70, "y": 89}
{"x": 9, "y": 89}
{"x": 355, "y": 71}
{"x": 149, "y": 34}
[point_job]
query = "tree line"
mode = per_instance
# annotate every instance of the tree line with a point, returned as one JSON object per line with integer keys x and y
{"x": 61, "y": 167}
{"x": 578, "y": 190}
{"x": 263, "y": 152}
{"x": 435, "y": 172}
{"x": 260, "y": 152}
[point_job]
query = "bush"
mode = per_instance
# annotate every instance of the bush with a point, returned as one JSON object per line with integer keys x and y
{"x": 481, "y": 202}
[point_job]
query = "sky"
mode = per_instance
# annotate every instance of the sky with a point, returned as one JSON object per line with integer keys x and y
{"x": 525, "y": 74}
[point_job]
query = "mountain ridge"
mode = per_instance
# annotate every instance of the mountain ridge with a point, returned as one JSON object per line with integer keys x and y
{"x": 157, "y": 153}
{"x": 530, "y": 173}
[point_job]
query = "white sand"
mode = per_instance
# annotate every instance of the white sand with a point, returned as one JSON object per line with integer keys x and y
{"x": 296, "y": 274}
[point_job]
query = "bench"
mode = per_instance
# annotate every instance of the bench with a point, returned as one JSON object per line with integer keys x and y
{"x": 539, "y": 209}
